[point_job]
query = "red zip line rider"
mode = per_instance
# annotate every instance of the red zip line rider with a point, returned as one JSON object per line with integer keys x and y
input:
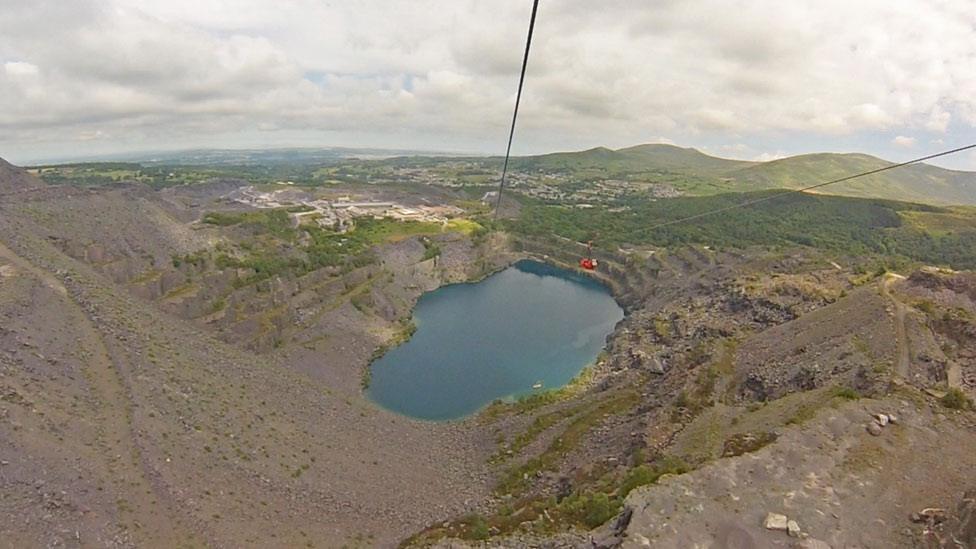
{"x": 589, "y": 262}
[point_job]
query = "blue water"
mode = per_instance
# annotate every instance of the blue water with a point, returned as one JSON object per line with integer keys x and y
{"x": 495, "y": 339}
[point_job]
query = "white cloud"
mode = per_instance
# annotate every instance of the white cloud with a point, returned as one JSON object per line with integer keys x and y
{"x": 769, "y": 156}
{"x": 440, "y": 72}
{"x": 903, "y": 141}
{"x": 19, "y": 68}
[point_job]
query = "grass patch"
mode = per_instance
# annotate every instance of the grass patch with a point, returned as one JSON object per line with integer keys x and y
{"x": 464, "y": 226}
{"x": 516, "y": 480}
{"x": 846, "y": 393}
{"x": 528, "y": 403}
{"x": 181, "y": 291}
{"x": 956, "y": 399}
{"x": 743, "y": 443}
{"x": 589, "y": 506}
{"x": 643, "y": 475}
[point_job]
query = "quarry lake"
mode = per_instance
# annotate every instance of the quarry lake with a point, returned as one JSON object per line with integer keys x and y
{"x": 528, "y": 328}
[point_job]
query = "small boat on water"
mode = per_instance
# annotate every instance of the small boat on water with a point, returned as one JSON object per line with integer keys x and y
{"x": 538, "y": 385}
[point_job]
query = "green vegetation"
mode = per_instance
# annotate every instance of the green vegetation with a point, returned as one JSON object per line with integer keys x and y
{"x": 956, "y": 399}
{"x": 652, "y": 158}
{"x": 587, "y": 507}
{"x": 847, "y": 393}
{"x": 649, "y": 474}
{"x": 743, "y": 443}
{"x": 920, "y": 182}
{"x": 161, "y": 176}
{"x": 515, "y": 479}
{"x": 276, "y": 222}
{"x": 274, "y": 247}
{"x": 683, "y": 169}
{"x": 328, "y": 248}
{"x": 591, "y": 510}
{"x": 845, "y": 225}
{"x": 711, "y": 368}
{"x": 531, "y": 402}
{"x": 431, "y": 249}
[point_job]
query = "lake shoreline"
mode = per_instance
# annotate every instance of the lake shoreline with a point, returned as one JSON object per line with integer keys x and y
{"x": 544, "y": 350}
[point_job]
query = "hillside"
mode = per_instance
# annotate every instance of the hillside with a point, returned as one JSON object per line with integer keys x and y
{"x": 857, "y": 226}
{"x": 704, "y": 174}
{"x": 916, "y": 183}
{"x": 135, "y": 413}
{"x": 668, "y": 158}
{"x": 13, "y": 179}
{"x": 178, "y": 369}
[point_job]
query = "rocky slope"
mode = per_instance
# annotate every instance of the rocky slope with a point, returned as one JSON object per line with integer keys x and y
{"x": 741, "y": 382}
{"x": 125, "y": 425}
{"x": 758, "y": 379}
{"x": 14, "y": 179}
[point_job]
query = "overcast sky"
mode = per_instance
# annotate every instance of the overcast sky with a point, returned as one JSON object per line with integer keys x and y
{"x": 752, "y": 79}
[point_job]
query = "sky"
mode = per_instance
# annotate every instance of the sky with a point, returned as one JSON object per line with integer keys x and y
{"x": 750, "y": 79}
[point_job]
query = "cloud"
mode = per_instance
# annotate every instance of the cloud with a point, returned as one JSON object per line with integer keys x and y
{"x": 769, "y": 156}
{"x": 903, "y": 141}
{"x": 19, "y": 68}
{"x": 440, "y": 72}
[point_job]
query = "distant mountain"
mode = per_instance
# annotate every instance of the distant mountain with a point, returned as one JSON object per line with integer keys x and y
{"x": 13, "y": 178}
{"x": 249, "y": 157}
{"x": 682, "y": 158}
{"x": 640, "y": 158}
{"x": 917, "y": 183}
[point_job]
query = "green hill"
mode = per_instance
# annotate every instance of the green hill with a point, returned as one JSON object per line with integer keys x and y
{"x": 699, "y": 174}
{"x": 918, "y": 183}
{"x": 651, "y": 157}
{"x": 855, "y": 226}
{"x": 682, "y": 159}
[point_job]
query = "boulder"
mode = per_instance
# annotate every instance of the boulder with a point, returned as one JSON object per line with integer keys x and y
{"x": 874, "y": 428}
{"x": 793, "y": 529}
{"x": 776, "y": 521}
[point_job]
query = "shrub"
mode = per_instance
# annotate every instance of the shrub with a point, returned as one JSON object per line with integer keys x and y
{"x": 431, "y": 251}
{"x": 648, "y": 474}
{"x": 848, "y": 393}
{"x": 591, "y": 510}
{"x": 477, "y": 528}
{"x": 598, "y": 510}
{"x": 957, "y": 400}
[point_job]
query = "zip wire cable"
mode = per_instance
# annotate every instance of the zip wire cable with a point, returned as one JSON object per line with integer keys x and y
{"x": 518, "y": 98}
{"x": 811, "y": 187}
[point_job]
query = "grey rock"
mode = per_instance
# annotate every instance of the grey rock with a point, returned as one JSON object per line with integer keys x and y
{"x": 776, "y": 521}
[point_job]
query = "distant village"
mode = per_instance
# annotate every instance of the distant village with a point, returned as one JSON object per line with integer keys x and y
{"x": 547, "y": 186}
{"x": 339, "y": 214}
